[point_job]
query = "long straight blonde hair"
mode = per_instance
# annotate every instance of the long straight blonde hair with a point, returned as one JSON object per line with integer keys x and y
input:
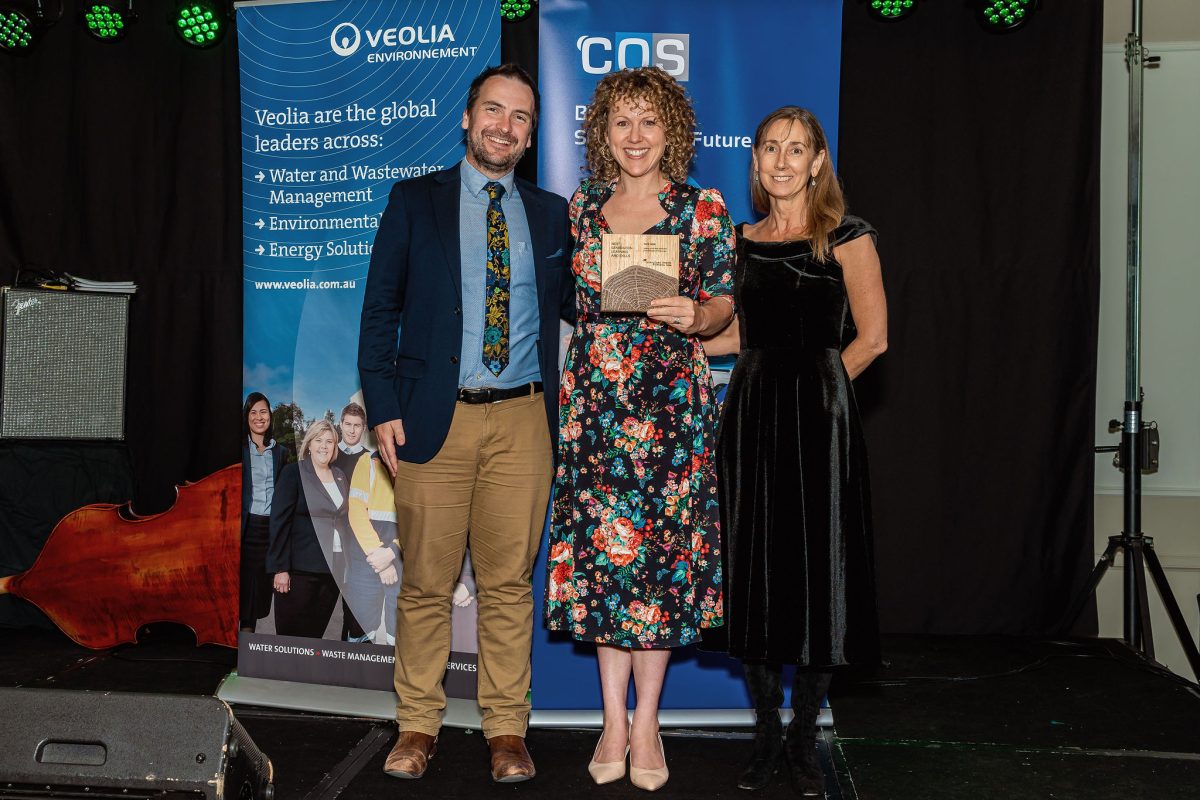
{"x": 826, "y": 205}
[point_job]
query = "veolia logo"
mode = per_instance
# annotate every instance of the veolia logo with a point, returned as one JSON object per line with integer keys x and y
{"x": 600, "y": 55}
{"x": 342, "y": 43}
{"x": 340, "y": 39}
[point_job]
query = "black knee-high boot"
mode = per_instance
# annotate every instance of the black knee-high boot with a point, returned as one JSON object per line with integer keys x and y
{"x": 808, "y": 690}
{"x": 766, "y": 690}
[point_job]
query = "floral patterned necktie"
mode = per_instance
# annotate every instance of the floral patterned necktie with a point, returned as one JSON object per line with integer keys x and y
{"x": 495, "y": 331}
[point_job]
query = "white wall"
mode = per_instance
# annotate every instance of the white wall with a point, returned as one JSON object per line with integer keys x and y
{"x": 1170, "y": 305}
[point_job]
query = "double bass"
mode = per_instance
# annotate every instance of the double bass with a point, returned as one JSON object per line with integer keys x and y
{"x": 103, "y": 575}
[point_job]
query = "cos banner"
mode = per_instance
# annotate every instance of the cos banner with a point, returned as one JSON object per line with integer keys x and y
{"x": 738, "y": 62}
{"x": 340, "y": 99}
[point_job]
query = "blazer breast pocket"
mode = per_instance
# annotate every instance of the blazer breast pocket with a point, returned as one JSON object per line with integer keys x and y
{"x": 409, "y": 367}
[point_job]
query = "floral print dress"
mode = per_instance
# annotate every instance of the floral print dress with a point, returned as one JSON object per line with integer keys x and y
{"x": 634, "y": 557}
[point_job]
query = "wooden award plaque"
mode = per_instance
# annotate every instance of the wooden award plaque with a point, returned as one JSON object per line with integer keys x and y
{"x": 635, "y": 268}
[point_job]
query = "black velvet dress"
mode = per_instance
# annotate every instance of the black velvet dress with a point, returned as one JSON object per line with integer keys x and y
{"x": 795, "y": 502}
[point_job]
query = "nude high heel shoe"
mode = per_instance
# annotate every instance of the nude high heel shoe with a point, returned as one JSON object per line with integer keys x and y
{"x": 606, "y": 771}
{"x": 650, "y": 779}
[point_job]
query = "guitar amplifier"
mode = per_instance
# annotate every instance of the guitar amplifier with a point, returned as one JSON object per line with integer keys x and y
{"x": 62, "y": 364}
{"x": 56, "y": 743}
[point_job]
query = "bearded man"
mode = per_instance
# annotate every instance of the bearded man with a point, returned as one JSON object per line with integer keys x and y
{"x": 471, "y": 265}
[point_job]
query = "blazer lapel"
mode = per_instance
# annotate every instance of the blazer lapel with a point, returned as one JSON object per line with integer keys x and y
{"x": 445, "y": 210}
{"x": 536, "y": 217}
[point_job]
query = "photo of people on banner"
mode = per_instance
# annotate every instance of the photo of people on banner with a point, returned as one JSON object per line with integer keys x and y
{"x": 319, "y": 556}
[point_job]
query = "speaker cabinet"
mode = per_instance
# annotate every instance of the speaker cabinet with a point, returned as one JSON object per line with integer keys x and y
{"x": 63, "y": 365}
{"x": 76, "y": 744}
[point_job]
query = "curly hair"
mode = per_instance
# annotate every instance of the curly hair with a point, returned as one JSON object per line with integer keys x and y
{"x": 655, "y": 88}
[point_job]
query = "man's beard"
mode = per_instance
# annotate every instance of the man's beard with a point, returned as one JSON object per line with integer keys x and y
{"x": 483, "y": 158}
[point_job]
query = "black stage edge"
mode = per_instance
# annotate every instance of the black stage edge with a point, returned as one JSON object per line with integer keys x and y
{"x": 986, "y": 718}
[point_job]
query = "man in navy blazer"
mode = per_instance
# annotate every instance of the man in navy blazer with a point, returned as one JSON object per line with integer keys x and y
{"x": 473, "y": 266}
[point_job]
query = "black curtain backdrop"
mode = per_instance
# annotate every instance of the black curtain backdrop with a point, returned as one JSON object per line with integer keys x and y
{"x": 122, "y": 161}
{"x": 976, "y": 156}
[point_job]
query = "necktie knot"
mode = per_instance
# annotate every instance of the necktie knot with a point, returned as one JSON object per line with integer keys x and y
{"x": 494, "y": 189}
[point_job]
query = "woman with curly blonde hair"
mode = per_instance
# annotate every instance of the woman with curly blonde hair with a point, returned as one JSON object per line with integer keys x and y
{"x": 635, "y": 543}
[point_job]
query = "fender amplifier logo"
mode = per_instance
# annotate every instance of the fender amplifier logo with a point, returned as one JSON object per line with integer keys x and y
{"x": 346, "y": 38}
{"x": 600, "y": 55}
{"x": 22, "y": 305}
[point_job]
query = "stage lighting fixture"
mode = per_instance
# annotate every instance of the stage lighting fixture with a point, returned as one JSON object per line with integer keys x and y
{"x": 891, "y": 10}
{"x": 513, "y": 10}
{"x": 199, "y": 23}
{"x": 16, "y": 30}
{"x": 105, "y": 21}
{"x": 1000, "y": 16}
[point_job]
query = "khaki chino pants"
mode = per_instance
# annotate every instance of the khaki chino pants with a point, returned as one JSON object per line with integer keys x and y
{"x": 489, "y": 482}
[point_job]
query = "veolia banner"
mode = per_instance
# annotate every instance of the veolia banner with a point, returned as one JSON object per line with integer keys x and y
{"x": 340, "y": 100}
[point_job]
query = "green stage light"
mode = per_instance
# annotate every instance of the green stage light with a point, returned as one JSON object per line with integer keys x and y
{"x": 513, "y": 10}
{"x": 892, "y": 10}
{"x": 16, "y": 30}
{"x": 105, "y": 22}
{"x": 199, "y": 23}
{"x": 1004, "y": 15}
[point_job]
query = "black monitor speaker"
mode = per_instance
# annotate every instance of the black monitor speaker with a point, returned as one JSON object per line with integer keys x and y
{"x": 57, "y": 743}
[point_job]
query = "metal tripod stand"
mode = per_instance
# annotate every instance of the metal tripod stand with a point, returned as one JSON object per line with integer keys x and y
{"x": 1137, "y": 548}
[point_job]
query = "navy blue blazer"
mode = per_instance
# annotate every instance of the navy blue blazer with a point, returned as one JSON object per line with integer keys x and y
{"x": 279, "y": 457}
{"x": 303, "y": 518}
{"x": 415, "y": 278}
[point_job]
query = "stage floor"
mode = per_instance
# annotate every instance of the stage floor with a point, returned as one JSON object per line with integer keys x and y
{"x": 967, "y": 717}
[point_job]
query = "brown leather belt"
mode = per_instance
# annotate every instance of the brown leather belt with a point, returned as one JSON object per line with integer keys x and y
{"x": 490, "y": 395}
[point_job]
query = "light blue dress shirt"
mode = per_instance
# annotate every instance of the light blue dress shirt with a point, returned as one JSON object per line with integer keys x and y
{"x": 523, "y": 319}
{"x": 262, "y": 479}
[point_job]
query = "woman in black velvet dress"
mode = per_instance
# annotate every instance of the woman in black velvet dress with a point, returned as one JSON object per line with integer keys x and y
{"x": 795, "y": 507}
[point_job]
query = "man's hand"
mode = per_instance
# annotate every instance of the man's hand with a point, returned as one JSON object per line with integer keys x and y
{"x": 380, "y": 558}
{"x": 389, "y": 576}
{"x": 283, "y": 582}
{"x": 389, "y": 436}
{"x": 462, "y": 596}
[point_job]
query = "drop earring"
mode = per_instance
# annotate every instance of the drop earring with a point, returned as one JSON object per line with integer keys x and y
{"x": 813, "y": 181}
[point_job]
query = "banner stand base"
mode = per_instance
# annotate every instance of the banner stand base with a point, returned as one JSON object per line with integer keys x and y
{"x": 667, "y": 718}
{"x": 341, "y": 700}
{"x": 374, "y": 704}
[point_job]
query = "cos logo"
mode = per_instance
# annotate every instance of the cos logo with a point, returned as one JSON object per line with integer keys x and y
{"x": 600, "y": 55}
{"x": 341, "y": 41}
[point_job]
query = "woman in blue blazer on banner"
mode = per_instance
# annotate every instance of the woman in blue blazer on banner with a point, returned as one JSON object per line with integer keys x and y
{"x": 262, "y": 461}
{"x": 311, "y": 502}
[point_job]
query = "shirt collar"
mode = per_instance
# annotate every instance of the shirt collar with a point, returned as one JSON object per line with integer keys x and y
{"x": 254, "y": 447}
{"x": 358, "y": 448}
{"x": 474, "y": 180}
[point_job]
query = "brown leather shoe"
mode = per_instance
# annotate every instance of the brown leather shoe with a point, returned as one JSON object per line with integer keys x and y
{"x": 510, "y": 760}
{"x": 410, "y": 755}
